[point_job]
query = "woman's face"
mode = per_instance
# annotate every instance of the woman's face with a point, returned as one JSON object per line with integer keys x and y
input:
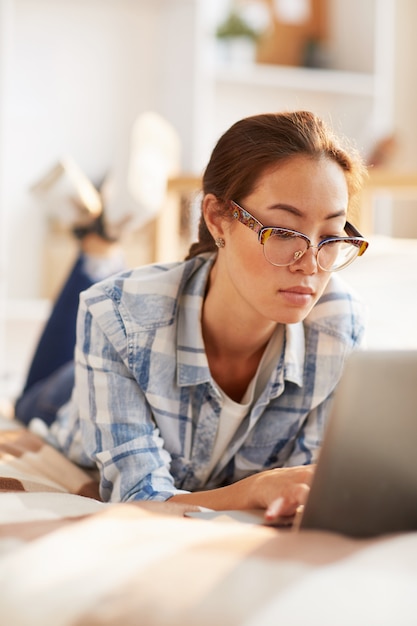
{"x": 302, "y": 194}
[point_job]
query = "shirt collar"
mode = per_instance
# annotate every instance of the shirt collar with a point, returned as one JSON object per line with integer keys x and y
{"x": 294, "y": 354}
{"x": 192, "y": 361}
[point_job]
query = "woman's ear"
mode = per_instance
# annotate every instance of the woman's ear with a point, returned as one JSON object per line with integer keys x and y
{"x": 212, "y": 215}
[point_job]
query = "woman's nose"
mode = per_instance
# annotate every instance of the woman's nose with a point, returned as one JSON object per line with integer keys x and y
{"x": 307, "y": 262}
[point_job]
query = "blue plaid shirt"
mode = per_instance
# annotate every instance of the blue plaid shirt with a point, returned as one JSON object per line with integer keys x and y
{"x": 145, "y": 407}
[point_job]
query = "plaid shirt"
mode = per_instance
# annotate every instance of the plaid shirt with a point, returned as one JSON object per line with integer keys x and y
{"x": 145, "y": 407}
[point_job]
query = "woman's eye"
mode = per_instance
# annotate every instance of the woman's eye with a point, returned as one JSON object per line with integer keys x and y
{"x": 332, "y": 236}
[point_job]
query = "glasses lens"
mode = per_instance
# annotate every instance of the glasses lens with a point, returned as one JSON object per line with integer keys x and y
{"x": 335, "y": 255}
{"x": 284, "y": 248}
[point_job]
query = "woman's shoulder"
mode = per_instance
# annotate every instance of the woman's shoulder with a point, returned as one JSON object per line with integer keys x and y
{"x": 156, "y": 278}
{"x": 148, "y": 292}
{"x": 338, "y": 293}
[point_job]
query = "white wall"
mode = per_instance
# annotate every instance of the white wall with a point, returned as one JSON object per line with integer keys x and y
{"x": 81, "y": 71}
{"x": 405, "y": 224}
{"x": 4, "y": 80}
{"x": 405, "y": 83}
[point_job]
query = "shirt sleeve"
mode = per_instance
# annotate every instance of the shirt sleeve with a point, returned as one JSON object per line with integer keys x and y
{"x": 114, "y": 428}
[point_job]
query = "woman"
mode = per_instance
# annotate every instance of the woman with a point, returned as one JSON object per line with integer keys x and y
{"x": 208, "y": 381}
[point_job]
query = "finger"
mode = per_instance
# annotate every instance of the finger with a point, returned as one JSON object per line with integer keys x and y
{"x": 288, "y": 504}
{"x": 301, "y": 492}
{"x": 274, "y": 510}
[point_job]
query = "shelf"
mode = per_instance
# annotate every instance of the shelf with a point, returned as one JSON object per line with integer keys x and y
{"x": 298, "y": 78}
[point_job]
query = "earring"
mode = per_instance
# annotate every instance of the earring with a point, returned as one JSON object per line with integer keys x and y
{"x": 220, "y": 242}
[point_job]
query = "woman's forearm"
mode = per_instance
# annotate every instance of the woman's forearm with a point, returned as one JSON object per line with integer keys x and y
{"x": 289, "y": 485}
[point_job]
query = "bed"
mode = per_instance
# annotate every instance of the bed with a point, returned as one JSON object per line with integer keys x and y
{"x": 67, "y": 559}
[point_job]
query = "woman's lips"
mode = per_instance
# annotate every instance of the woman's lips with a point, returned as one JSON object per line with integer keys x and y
{"x": 298, "y": 296}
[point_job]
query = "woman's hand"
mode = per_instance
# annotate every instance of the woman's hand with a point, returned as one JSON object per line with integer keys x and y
{"x": 278, "y": 491}
{"x": 281, "y": 491}
{"x": 295, "y": 486}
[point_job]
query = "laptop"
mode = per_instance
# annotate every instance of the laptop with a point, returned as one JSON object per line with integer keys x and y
{"x": 365, "y": 483}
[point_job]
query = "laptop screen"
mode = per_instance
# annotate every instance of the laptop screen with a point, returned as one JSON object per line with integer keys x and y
{"x": 365, "y": 482}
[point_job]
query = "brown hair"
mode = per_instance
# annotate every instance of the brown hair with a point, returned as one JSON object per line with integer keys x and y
{"x": 253, "y": 144}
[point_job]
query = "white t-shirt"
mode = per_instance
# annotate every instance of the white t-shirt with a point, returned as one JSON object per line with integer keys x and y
{"x": 233, "y": 413}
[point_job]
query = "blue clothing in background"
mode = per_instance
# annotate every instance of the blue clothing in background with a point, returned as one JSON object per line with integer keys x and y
{"x": 50, "y": 379}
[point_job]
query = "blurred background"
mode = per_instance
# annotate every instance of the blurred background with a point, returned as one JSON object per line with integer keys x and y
{"x": 92, "y": 90}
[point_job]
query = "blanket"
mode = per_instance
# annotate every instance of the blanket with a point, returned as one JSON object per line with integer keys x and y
{"x": 28, "y": 463}
{"x": 68, "y": 559}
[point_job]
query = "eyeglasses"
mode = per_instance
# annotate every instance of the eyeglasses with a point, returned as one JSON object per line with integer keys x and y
{"x": 283, "y": 247}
